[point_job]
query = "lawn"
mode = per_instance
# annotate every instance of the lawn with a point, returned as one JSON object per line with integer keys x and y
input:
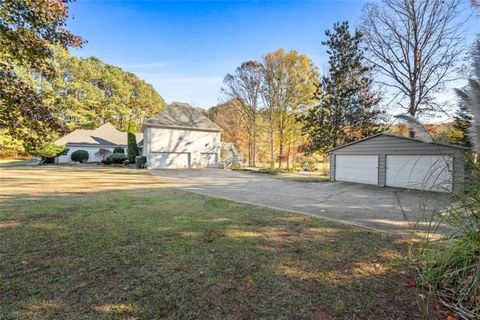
{"x": 119, "y": 244}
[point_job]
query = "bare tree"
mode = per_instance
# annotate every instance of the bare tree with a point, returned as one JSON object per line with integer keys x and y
{"x": 244, "y": 86}
{"x": 415, "y": 46}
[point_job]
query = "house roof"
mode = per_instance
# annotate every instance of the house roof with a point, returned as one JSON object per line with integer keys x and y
{"x": 182, "y": 115}
{"x": 104, "y": 136}
{"x": 399, "y": 137}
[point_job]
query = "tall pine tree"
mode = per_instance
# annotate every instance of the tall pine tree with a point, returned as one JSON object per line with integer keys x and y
{"x": 347, "y": 108}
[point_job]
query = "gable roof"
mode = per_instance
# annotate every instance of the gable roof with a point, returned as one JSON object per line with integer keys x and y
{"x": 106, "y": 135}
{"x": 399, "y": 137}
{"x": 179, "y": 115}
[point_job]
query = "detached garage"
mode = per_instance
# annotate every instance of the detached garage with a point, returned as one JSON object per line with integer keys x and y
{"x": 394, "y": 161}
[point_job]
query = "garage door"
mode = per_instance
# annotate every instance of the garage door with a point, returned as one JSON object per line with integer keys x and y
{"x": 423, "y": 172}
{"x": 209, "y": 159}
{"x": 169, "y": 160}
{"x": 356, "y": 168}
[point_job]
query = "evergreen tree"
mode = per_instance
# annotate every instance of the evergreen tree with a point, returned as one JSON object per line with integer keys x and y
{"x": 132, "y": 147}
{"x": 347, "y": 108}
{"x": 461, "y": 125}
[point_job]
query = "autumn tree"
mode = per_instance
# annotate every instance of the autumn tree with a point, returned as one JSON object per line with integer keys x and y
{"x": 415, "y": 47}
{"x": 28, "y": 29}
{"x": 348, "y": 107}
{"x": 244, "y": 86}
{"x": 229, "y": 117}
{"x": 289, "y": 83}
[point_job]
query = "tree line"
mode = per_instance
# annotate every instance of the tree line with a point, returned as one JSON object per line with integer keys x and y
{"x": 277, "y": 109}
{"x": 45, "y": 91}
{"x": 281, "y": 107}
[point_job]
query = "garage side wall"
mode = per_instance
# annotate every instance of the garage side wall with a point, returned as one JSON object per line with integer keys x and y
{"x": 383, "y": 145}
{"x": 199, "y": 144}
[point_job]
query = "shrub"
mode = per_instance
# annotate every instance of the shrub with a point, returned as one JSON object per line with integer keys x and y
{"x": 49, "y": 151}
{"x": 140, "y": 162}
{"x": 119, "y": 150}
{"x": 80, "y": 156}
{"x": 451, "y": 265}
{"x": 132, "y": 147}
{"x": 116, "y": 158}
{"x": 307, "y": 165}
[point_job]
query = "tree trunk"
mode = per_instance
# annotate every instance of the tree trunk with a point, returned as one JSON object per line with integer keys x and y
{"x": 280, "y": 148}
{"x": 272, "y": 159}
{"x": 254, "y": 146}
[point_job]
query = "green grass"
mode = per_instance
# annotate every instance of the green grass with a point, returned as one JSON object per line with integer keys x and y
{"x": 170, "y": 254}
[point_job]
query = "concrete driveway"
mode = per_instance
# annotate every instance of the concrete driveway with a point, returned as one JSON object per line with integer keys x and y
{"x": 385, "y": 209}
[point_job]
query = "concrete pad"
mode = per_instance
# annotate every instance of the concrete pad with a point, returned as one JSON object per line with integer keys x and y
{"x": 391, "y": 210}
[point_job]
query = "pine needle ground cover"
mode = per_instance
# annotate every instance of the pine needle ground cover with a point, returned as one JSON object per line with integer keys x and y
{"x": 120, "y": 244}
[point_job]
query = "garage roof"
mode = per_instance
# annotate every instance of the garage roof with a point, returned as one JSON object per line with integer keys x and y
{"x": 398, "y": 137}
{"x": 182, "y": 115}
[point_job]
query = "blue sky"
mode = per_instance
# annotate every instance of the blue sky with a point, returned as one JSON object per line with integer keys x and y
{"x": 185, "y": 48}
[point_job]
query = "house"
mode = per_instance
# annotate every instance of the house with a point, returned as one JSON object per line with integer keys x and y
{"x": 181, "y": 136}
{"x": 97, "y": 143}
{"x": 388, "y": 160}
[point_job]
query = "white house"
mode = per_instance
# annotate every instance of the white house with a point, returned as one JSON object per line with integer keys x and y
{"x": 181, "y": 137}
{"x": 97, "y": 143}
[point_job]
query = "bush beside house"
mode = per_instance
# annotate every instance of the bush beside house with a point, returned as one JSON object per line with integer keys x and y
{"x": 49, "y": 151}
{"x": 115, "y": 158}
{"x": 80, "y": 156}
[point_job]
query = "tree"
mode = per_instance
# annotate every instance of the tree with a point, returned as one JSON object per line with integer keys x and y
{"x": 415, "y": 47}
{"x": 28, "y": 29}
{"x": 462, "y": 123}
{"x": 289, "y": 83}
{"x": 132, "y": 147}
{"x": 347, "y": 108}
{"x": 470, "y": 96}
{"x": 244, "y": 85}
{"x": 88, "y": 92}
{"x": 229, "y": 117}
{"x": 49, "y": 151}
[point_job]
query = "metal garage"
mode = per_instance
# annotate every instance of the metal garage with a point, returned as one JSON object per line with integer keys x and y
{"x": 388, "y": 160}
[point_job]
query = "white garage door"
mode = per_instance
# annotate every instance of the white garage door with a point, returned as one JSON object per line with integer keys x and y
{"x": 209, "y": 159}
{"x": 169, "y": 160}
{"x": 356, "y": 168}
{"x": 425, "y": 172}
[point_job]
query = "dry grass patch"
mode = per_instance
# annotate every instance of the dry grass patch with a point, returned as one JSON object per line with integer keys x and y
{"x": 158, "y": 253}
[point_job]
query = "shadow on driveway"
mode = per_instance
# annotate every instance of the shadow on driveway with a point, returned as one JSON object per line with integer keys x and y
{"x": 391, "y": 210}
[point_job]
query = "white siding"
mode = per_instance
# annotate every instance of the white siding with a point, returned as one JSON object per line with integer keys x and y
{"x": 91, "y": 153}
{"x": 178, "y": 141}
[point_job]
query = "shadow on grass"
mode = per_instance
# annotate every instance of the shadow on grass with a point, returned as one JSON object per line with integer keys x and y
{"x": 166, "y": 253}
